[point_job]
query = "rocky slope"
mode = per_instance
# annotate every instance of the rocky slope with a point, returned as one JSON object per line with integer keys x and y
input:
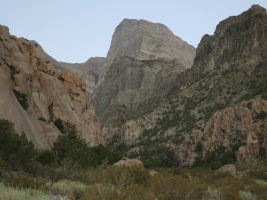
{"x": 205, "y": 118}
{"x": 36, "y": 97}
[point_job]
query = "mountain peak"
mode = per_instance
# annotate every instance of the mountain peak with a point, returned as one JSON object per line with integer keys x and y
{"x": 145, "y": 40}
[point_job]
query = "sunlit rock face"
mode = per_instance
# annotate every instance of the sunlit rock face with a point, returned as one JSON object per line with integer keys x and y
{"x": 144, "y": 40}
{"x": 51, "y": 95}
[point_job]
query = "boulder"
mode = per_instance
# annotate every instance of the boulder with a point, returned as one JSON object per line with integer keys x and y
{"x": 230, "y": 168}
{"x": 129, "y": 163}
{"x": 153, "y": 173}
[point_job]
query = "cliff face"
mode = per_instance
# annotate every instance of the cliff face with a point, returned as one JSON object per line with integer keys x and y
{"x": 205, "y": 115}
{"x": 144, "y": 63}
{"x": 237, "y": 41}
{"x": 133, "y": 87}
{"x": 144, "y": 40}
{"x": 34, "y": 95}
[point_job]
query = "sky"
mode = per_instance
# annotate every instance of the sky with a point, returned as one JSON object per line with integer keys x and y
{"x": 75, "y": 30}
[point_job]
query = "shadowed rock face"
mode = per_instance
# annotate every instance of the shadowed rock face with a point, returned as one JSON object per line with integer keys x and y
{"x": 132, "y": 87}
{"x": 144, "y": 40}
{"x": 51, "y": 95}
{"x": 237, "y": 39}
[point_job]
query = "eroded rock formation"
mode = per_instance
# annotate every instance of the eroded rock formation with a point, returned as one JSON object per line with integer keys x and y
{"x": 34, "y": 94}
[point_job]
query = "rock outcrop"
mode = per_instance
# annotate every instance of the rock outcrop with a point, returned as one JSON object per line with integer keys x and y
{"x": 240, "y": 129}
{"x": 144, "y": 40}
{"x": 238, "y": 41}
{"x": 129, "y": 163}
{"x": 34, "y": 94}
{"x": 229, "y": 169}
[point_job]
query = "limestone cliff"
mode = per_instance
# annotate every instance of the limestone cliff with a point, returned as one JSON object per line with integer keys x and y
{"x": 145, "y": 61}
{"x": 145, "y": 40}
{"x": 34, "y": 94}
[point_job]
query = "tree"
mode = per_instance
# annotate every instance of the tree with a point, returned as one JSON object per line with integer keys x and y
{"x": 15, "y": 149}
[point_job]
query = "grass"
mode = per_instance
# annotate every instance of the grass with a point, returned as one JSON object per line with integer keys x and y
{"x": 68, "y": 188}
{"x": 9, "y": 193}
{"x": 133, "y": 183}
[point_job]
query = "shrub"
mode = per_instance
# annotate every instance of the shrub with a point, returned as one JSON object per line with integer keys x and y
{"x": 75, "y": 149}
{"x": 262, "y": 115}
{"x": 42, "y": 119}
{"x": 46, "y": 157}
{"x": 15, "y": 149}
{"x": 25, "y": 181}
{"x": 157, "y": 155}
{"x": 177, "y": 187}
{"x": 68, "y": 188}
{"x": 60, "y": 125}
{"x": 22, "y": 98}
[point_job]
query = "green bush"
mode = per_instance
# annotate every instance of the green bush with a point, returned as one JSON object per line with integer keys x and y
{"x": 68, "y": 188}
{"x": 22, "y": 98}
{"x": 15, "y": 149}
{"x": 74, "y": 148}
{"x": 46, "y": 157}
{"x": 60, "y": 125}
{"x": 262, "y": 115}
{"x": 42, "y": 119}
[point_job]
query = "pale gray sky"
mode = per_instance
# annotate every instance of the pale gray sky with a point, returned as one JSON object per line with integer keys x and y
{"x": 74, "y": 30}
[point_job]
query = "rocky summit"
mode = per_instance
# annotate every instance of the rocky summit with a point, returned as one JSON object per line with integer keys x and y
{"x": 144, "y": 40}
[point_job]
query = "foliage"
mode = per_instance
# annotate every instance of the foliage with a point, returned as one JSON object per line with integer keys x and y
{"x": 72, "y": 147}
{"x": 70, "y": 188}
{"x": 22, "y": 98}
{"x": 15, "y": 149}
{"x": 262, "y": 115}
{"x": 157, "y": 156}
{"x": 60, "y": 125}
{"x": 22, "y": 194}
{"x": 218, "y": 157}
{"x": 46, "y": 157}
{"x": 42, "y": 119}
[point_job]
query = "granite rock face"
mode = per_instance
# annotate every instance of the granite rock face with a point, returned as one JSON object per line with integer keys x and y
{"x": 27, "y": 71}
{"x": 144, "y": 40}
